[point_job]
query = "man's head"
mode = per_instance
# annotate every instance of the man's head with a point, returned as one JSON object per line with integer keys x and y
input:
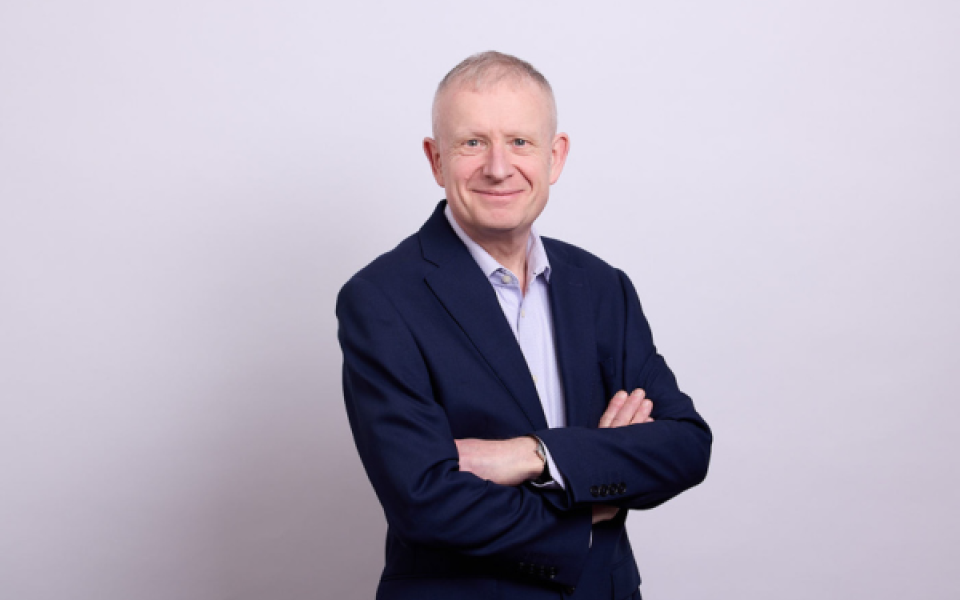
{"x": 495, "y": 148}
{"x": 484, "y": 70}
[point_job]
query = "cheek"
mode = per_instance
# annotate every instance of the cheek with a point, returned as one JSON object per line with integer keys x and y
{"x": 462, "y": 170}
{"x": 537, "y": 172}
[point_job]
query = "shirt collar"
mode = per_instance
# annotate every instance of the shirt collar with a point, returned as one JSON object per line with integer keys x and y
{"x": 537, "y": 261}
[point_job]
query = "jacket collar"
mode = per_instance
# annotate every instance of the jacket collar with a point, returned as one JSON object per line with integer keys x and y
{"x": 463, "y": 289}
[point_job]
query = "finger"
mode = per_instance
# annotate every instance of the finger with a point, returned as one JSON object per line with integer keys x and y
{"x": 613, "y": 408}
{"x": 630, "y": 408}
{"x": 643, "y": 414}
{"x": 646, "y": 407}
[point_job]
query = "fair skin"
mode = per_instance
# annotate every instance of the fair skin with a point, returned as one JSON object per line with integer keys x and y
{"x": 513, "y": 461}
{"x": 496, "y": 153}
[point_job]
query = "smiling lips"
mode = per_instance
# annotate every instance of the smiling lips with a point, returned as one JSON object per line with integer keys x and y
{"x": 497, "y": 194}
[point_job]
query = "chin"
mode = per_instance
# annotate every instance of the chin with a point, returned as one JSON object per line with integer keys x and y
{"x": 501, "y": 220}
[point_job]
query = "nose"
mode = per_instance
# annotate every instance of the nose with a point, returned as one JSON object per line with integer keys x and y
{"x": 498, "y": 166}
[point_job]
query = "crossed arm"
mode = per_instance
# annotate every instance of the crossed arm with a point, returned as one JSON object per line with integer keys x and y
{"x": 441, "y": 492}
{"x": 514, "y": 461}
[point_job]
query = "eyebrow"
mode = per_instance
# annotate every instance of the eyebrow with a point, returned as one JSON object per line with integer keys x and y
{"x": 530, "y": 134}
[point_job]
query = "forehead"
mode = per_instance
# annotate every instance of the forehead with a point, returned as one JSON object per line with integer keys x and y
{"x": 506, "y": 105}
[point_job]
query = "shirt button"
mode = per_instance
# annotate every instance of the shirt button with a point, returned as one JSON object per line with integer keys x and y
{"x": 523, "y": 313}
{"x": 534, "y": 378}
{"x": 506, "y": 279}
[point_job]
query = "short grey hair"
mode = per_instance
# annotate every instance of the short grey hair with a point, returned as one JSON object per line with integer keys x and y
{"x": 486, "y": 69}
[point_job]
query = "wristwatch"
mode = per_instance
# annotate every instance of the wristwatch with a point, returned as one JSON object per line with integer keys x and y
{"x": 544, "y": 476}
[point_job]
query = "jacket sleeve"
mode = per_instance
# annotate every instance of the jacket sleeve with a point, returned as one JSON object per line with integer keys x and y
{"x": 642, "y": 465}
{"x": 406, "y": 446}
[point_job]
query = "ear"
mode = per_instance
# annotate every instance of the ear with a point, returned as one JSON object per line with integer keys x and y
{"x": 558, "y": 155}
{"x": 432, "y": 149}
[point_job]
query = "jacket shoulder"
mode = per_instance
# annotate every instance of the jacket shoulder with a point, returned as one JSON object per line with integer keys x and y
{"x": 404, "y": 260}
{"x": 592, "y": 265}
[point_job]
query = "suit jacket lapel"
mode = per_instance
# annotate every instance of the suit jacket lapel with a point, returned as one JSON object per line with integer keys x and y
{"x": 464, "y": 291}
{"x": 573, "y": 326}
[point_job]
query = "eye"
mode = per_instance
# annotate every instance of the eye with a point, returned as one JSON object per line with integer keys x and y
{"x": 472, "y": 143}
{"x": 519, "y": 142}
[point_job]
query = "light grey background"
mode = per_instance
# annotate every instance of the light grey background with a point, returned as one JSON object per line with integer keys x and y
{"x": 186, "y": 185}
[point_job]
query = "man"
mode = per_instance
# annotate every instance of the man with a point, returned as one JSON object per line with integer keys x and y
{"x": 486, "y": 372}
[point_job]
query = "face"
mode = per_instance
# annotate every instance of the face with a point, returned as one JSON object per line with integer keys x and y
{"x": 496, "y": 155}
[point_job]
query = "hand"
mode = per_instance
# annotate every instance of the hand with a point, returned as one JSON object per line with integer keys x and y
{"x": 624, "y": 409}
{"x": 627, "y": 409}
{"x": 506, "y": 462}
{"x": 604, "y": 512}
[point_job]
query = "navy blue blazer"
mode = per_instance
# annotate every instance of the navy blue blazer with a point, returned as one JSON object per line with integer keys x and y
{"x": 429, "y": 358}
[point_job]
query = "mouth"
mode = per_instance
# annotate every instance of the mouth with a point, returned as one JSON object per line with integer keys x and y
{"x": 498, "y": 194}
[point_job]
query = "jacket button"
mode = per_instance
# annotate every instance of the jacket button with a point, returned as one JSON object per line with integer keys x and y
{"x": 594, "y": 491}
{"x": 604, "y": 490}
{"x": 622, "y": 488}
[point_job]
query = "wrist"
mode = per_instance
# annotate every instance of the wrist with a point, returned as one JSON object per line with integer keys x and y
{"x": 539, "y": 472}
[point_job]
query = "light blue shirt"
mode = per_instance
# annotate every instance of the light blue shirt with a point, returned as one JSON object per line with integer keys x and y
{"x": 531, "y": 319}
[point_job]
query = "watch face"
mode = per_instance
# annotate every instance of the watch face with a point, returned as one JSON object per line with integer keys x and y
{"x": 541, "y": 450}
